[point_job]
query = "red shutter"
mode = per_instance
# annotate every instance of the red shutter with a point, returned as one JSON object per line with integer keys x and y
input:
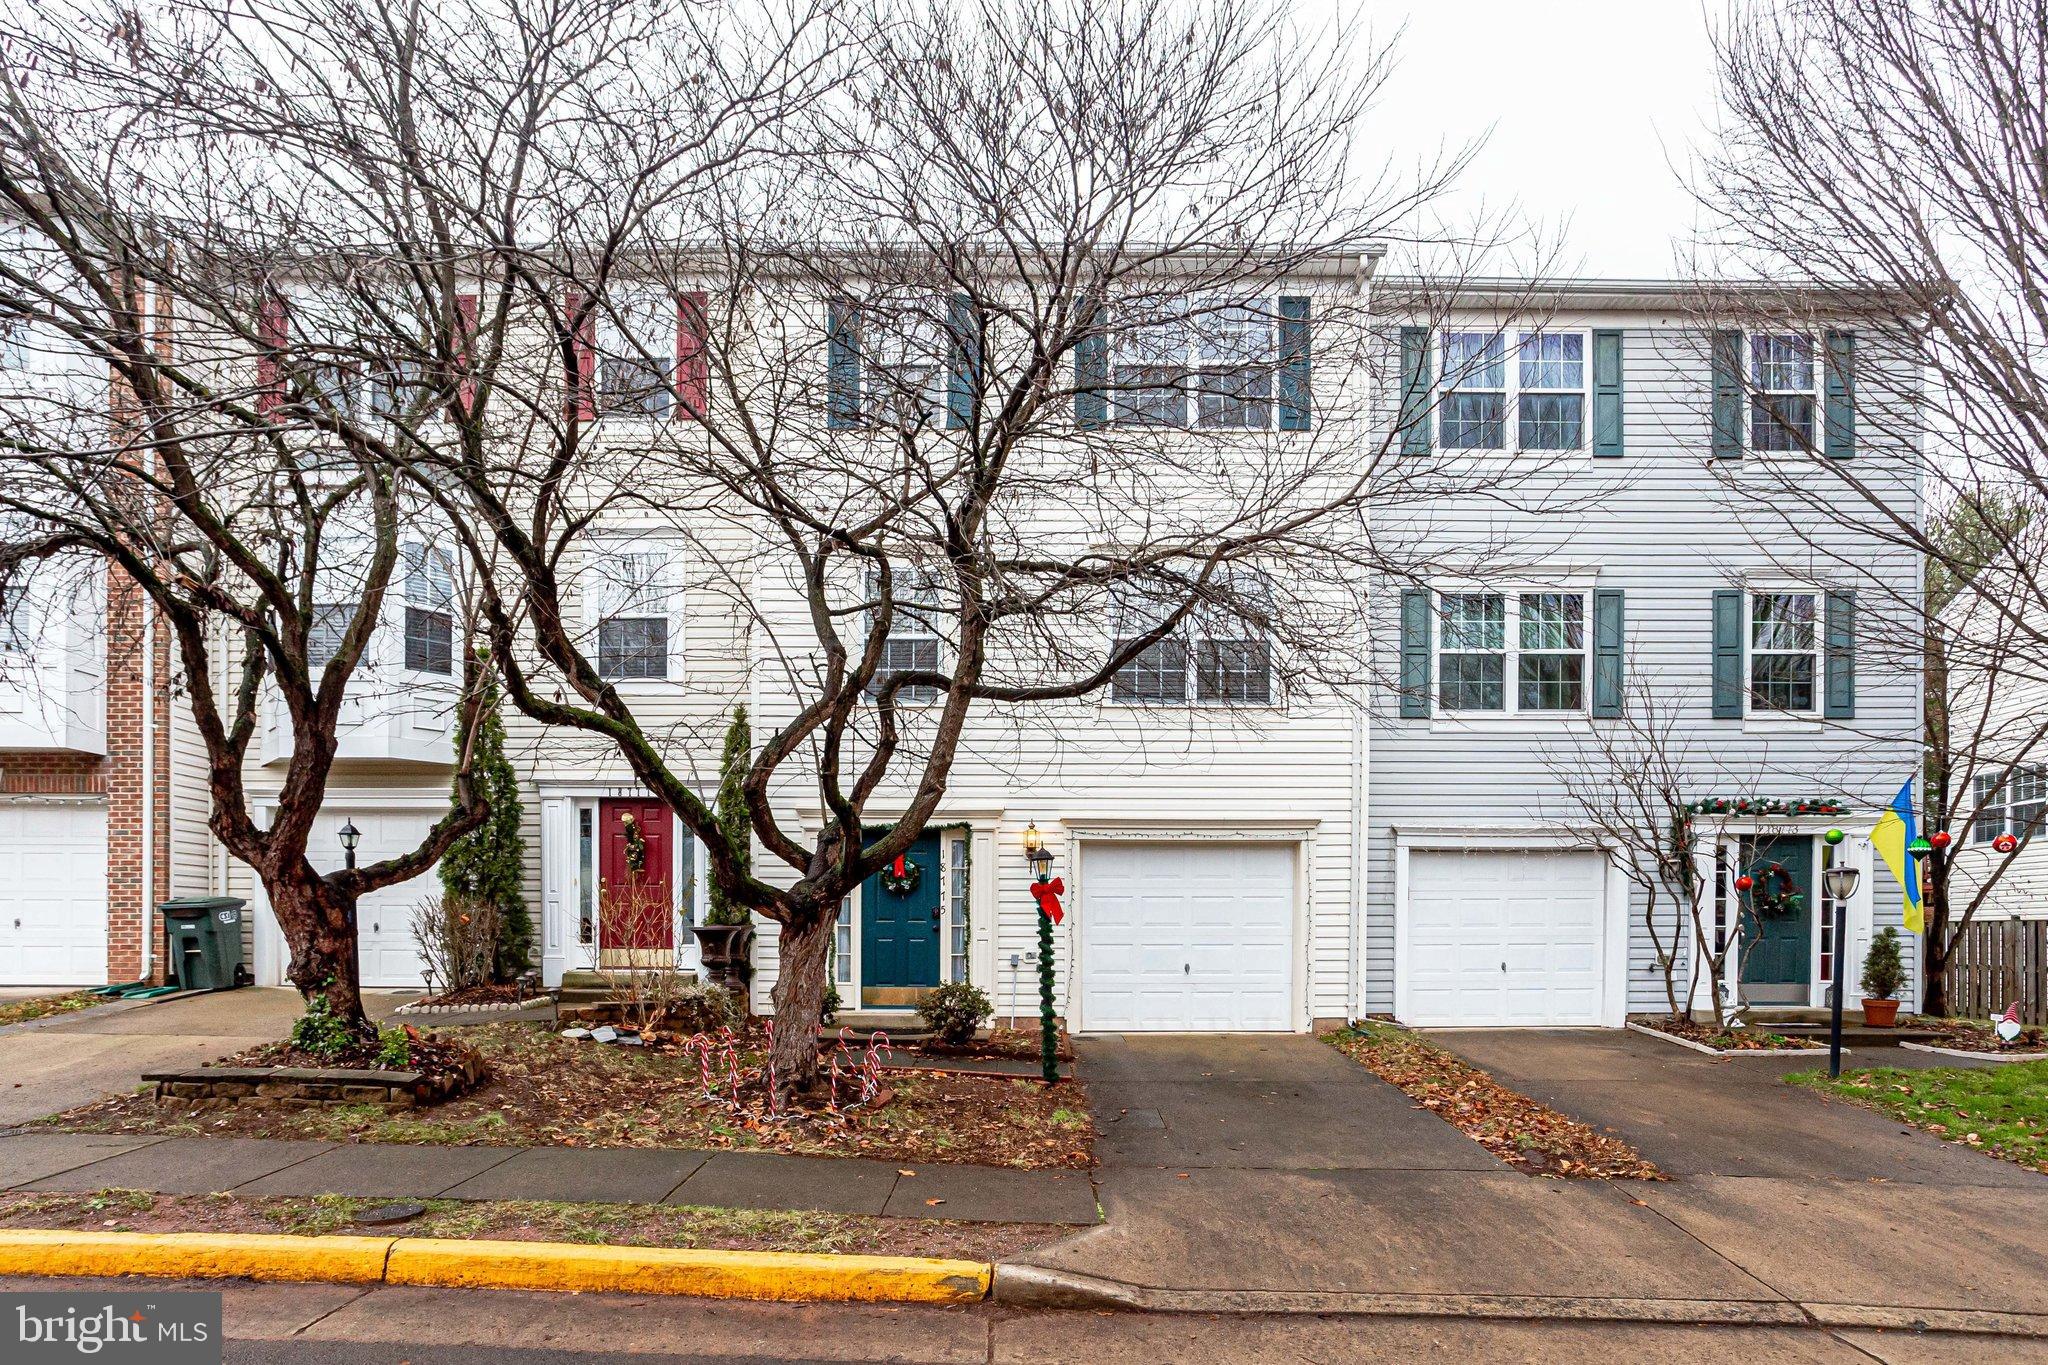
{"x": 583, "y": 349}
{"x": 271, "y": 329}
{"x": 693, "y": 367}
{"x": 465, "y": 346}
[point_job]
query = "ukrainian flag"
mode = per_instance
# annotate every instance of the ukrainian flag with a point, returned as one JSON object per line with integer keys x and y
{"x": 1893, "y": 838}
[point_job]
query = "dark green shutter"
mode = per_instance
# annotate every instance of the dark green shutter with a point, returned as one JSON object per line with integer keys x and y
{"x": 1840, "y": 407}
{"x": 1609, "y": 628}
{"x": 1607, "y": 438}
{"x": 1841, "y": 656}
{"x": 963, "y": 375}
{"x": 1414, "y": 411}
{"x": 1727, "y": 365}
{"x": 1294, "y": 391}
{"x": 1415, "y": 641}
{"x": 842, "y": 363}
{"x": 1728, "y": 687}
{"x": 1091, "y": 376}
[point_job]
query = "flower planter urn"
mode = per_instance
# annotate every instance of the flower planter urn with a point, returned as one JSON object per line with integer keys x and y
{"x": 727, "y": 953}
{"x": 1881, "y": 1013}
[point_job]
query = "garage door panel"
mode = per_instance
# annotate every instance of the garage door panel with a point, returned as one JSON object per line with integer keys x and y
{"x": 386, "y": 950}
{"x": 1186, "y": 937}
{"x": 1504, "y": 937}
{"x": 53, "y": 894}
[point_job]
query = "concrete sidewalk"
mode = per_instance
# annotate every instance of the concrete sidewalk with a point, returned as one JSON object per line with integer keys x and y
{"x": 1274, "y": 1174}
{"x": 739, "y": 1180}
{"x": 55, "y": 1064}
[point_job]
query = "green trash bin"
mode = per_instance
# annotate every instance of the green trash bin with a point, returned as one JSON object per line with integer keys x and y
{"x": 203, "y": 939}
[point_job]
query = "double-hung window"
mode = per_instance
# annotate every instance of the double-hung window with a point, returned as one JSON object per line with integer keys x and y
{"x": 1784, "y": 651}
{"x": 429, "y": 609}
{"x": 1511, "y": 652}
{"x": 324, "y": 632}
{"x": 1234, "y": 381}
{"x": 1227, "y": 642}
{"x": 634, "y": 614}
{"x": 2018, "y": 806}
{"x": 1151, "y": 374}
{"x": 917, "y": 633}
{"x": 1782, "y": 399}
{"x": 903, "y": 351}
{"x": 636, "y": 360}
{"x": 1540, "y": 379}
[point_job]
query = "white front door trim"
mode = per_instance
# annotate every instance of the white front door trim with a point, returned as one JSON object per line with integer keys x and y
{"x": 1511, "y": 838}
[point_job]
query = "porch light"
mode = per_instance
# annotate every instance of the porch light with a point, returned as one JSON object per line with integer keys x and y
{"x": 1036, "y": 853}
{"x": 1840, "y": 881}
{"x": 350, "y": 837}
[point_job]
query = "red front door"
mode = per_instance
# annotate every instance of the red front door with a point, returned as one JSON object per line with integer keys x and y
{"x": 636, "y": 907}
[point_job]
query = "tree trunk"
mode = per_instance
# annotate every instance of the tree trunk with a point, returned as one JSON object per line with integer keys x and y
{"x": 319, "y": 924}
{"x": 1936, "y": 941}
{"x": 799, "y": 996}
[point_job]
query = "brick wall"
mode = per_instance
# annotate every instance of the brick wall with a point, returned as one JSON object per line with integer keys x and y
{"x": 124, "y": 780}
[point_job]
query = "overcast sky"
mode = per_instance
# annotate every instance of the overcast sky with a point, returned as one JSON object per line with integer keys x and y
{"x": 1590, "y": 104}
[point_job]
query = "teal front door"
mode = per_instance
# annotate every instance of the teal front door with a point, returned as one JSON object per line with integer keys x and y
{"x": 1777, "y": 914}
{"x": 900, "y": 931}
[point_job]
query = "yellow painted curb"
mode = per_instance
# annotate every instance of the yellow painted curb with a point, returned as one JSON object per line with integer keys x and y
{"x": 792, "y": 1276}
{"x": 788, "y": 1276}
{"x": 197, "y": 1255}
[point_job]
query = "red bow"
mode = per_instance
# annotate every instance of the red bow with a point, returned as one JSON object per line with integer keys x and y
{"x": 897, "y": 870}
{"x": 1048, "y": 894}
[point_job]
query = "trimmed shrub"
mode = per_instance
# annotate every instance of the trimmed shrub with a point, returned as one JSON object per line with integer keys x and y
{"x": 953, "y": 1012}
{"x": 1883, "y": 973}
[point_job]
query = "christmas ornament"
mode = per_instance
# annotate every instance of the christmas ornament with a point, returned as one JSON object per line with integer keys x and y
{"x": 1920, "y": 848}
{"x": 2005, "y": 843}
{"x": 2008, "y": 1024}
{"x": 1833, "y": 836}
{"x": 1941, "y": 838}
{"x": 1744, "y": 882}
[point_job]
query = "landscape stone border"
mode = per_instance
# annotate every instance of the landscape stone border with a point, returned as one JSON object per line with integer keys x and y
{"x": 420, "y": 1007}
{"x": 2000, "y": 1057}
{"x": 302, "y": 1087}
{"x": 1649, "y": 1032}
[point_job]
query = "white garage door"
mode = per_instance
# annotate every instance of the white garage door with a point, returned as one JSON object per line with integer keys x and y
{"x": 383, "y": 918}
{"x": 1195, "y": 937}
{"x": 53, "y": 894}
{"x": 1504, "y": 937}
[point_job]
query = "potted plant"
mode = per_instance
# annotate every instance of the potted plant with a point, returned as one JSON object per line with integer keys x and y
{"x": 1883, "y": 975}
{"x": 725, "y": 940}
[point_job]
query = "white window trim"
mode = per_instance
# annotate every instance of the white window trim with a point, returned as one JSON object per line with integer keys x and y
{"x": 455, "y": 643}
{"x": 1511, "y": 652}
{"x": 609, "y": 339}
{"x": 1817, "y": 352}
{"x": 1750, "y": 709}
{"x": 1511, "y": 395}
{"x": 1189, "y": 635}
{"x": 1195, "y": 358}
{"x": 911, "y": 598}
{"x": 595, "y": 584}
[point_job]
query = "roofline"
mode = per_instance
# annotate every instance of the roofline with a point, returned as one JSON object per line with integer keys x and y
{"x": 1699, "y": 295}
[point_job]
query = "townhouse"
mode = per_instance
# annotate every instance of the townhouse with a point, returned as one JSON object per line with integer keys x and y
{"x": 1243, "y": 855}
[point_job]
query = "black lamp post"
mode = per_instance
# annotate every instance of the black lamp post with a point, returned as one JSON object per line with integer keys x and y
{"x": 1839, "y": 882}
{"x": 350, "y": 837}
{"x": 1039, "y": 857}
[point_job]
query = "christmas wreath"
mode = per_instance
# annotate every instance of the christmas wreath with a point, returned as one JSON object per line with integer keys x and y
{"x": 636, "y": 845}
{"x": 1772, "y": 893}
{"x": 901, "y": 877}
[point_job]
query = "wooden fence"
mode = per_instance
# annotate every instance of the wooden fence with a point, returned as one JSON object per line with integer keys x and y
{"x": 1996, "y": 962}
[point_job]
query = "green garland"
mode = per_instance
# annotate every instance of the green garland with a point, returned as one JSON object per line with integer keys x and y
{"x": 1767, "y": 805}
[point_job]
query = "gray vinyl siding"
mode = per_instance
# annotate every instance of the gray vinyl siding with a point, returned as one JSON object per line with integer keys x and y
{"x": 1659, "y": 524}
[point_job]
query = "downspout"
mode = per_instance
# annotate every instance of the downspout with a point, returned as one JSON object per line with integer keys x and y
{"x": 148, "y": 785}
{"x": 1361, "y": 730}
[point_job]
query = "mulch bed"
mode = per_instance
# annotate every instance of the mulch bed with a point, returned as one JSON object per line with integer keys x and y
{"x": 508, "y": 993}
{"x": 1004, "y": 1044}
{"x": 1529, "y": 1136}
{"x": 438, "y": 1059}
{"x": 1968, "y": 1035}
{"x": 546, "y": 1090}
{"x": 609, "y": 1224}
{"x": 1730, "y": 1040}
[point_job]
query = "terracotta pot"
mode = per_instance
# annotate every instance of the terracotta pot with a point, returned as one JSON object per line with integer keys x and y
{"x": 1881, "y": 1013}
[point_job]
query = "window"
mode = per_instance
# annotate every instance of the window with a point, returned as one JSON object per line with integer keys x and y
{"x": 1781, "y": 402}
{"x": 1784, "y": 651}
{"x": 1219, "y": 354}
{"x": 586, "y": 880}
{"x": 633, "y": 621}
{"x": 324, "y": 631}
{"x": 1537, "y": 639}
{"x": 916, "y": 640}
{"x": 2018, "y": 807}
{"x": 1150, "y": 375}
{"x": 429, "y": 609}
{"x": 1545, "y": 388}
{"x": 842, "y": 943}
{"x": 1234, "y": 386}
{"x": 956, "y": 908}
{"x": 1475, "y": 399}
{"x": 904, "y": 346}
{"x": 1227, "y": 644}
{"x": 1552, "y": 409}
{"x": 636, "y": 362}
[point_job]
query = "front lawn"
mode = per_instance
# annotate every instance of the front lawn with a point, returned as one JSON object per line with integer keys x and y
{"x": 656, "y": 1225}
{"x": 1515, "y": 1128}
{"x": 43, "y": 1006}
{"x": 548, "y": 1091}
{"x": 2002, "y": 1110}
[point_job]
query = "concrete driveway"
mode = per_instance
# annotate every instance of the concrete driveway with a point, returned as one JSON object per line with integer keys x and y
{"x": 50, "y": 1065}
{"x": 1273, "y": 1173}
